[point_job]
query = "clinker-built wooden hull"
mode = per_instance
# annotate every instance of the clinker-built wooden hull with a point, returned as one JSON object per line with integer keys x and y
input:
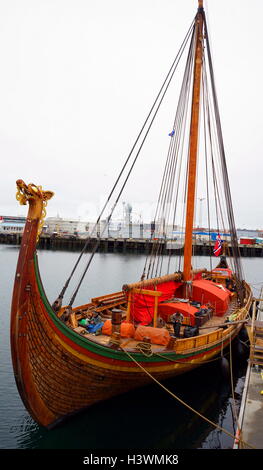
{"x": 60, "y": 372}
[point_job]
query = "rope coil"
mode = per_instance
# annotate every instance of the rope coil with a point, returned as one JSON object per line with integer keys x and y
{"x": 145, "y": 349}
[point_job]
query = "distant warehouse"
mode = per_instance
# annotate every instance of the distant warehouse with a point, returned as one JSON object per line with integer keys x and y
{"x": 12, "y": 224}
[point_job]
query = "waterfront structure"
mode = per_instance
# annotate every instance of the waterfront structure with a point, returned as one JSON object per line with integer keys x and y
{"x": 122, "y": 229}
{"x": 12, "y": 224}
{"x": 59, "y": 226}
{"x": 115, "y": 229}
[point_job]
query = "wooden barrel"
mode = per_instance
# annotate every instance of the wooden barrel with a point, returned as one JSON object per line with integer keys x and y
{"x": 116, "y": 320}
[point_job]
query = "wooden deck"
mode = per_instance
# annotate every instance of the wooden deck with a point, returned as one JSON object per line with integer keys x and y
{"x": 130, "y": 344}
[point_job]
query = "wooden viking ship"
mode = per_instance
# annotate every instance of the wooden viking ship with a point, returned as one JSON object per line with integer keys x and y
{"x": 67, "y": 358}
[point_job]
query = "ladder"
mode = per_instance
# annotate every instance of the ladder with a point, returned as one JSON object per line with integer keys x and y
{"x": 255, "y": 332}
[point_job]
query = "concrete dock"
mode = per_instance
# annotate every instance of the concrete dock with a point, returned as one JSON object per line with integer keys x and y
{"x": 251, "y": 411}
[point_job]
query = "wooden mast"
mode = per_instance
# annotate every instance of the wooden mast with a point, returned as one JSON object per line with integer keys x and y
{"x": 193, "y": 144}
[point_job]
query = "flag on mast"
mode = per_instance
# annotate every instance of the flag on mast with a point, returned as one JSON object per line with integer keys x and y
{"x": 218, "y": 246}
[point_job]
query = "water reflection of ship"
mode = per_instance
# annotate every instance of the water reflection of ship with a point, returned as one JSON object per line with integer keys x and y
{"x": 213, "y": 399}
{"x": 167, "y": 423}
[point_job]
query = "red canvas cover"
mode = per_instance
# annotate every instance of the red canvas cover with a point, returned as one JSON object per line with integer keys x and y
{"x": 142, "y": 306}
{"x": 207, "y": 292}
{"x": 165, "y": 310}
{"x": 198, "y": 275}
{"x": 157, "y": 335}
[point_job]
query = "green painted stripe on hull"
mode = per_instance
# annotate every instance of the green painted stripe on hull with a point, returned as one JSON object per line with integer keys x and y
{"x": 68, "y": 332}
{"x": 97, "y": 348}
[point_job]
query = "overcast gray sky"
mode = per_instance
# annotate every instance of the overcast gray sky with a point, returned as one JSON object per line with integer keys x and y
{"x": 78, "y": 78}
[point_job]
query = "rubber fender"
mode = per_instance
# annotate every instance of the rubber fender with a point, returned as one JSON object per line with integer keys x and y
{"x": 225, "y": 367}
{"x": 241, "y": 350}
{"x": 243, "y": 335}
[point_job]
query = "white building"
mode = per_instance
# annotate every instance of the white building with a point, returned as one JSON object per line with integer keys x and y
{"x": 12, "y": 224}
{"x": 57, "y": 225}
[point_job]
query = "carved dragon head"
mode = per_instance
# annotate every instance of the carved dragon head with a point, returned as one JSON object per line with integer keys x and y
{"x": 31, "y": 191}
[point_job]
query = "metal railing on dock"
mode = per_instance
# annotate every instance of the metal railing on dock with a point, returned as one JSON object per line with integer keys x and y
{"x": 255, "y": 331}
{"x": 251, "y": 409}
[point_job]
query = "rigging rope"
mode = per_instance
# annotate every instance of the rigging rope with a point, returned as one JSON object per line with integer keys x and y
{"x": 234, "y": 241}
{"x": 182, "y": 401}
{"x": 164, "y": 87}
{"x": 214, "y": 140}
{"x": 168, "y": 195}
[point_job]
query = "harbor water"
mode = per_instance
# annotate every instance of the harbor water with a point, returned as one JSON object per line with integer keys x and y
{"x": 151, "y": 418}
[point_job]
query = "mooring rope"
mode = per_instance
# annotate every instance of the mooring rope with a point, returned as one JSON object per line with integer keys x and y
{"x": 183, "y": 402}
{"x": 145, "y": 349}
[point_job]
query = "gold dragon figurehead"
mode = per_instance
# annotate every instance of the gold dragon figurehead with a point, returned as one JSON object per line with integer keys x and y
{"x": 34, "y": 194}
{"x": 25, "y": 192}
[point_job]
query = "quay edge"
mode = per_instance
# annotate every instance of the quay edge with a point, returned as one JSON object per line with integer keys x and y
{"x": 125, "y": 245}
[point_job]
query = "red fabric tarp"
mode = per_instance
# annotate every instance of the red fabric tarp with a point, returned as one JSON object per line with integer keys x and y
{"x": 156, "y": 335}
{"x": 207, "y": 292}
{"x": 204, "y": 291}
{"x": 188, "y": 311}
{"x": 142, "y": 306}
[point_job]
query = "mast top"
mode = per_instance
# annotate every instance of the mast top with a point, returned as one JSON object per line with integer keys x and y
{"x": 200, "y": 4}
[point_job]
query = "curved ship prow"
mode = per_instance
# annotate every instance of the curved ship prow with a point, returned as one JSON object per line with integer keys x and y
{"x": 62, "y": 366}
